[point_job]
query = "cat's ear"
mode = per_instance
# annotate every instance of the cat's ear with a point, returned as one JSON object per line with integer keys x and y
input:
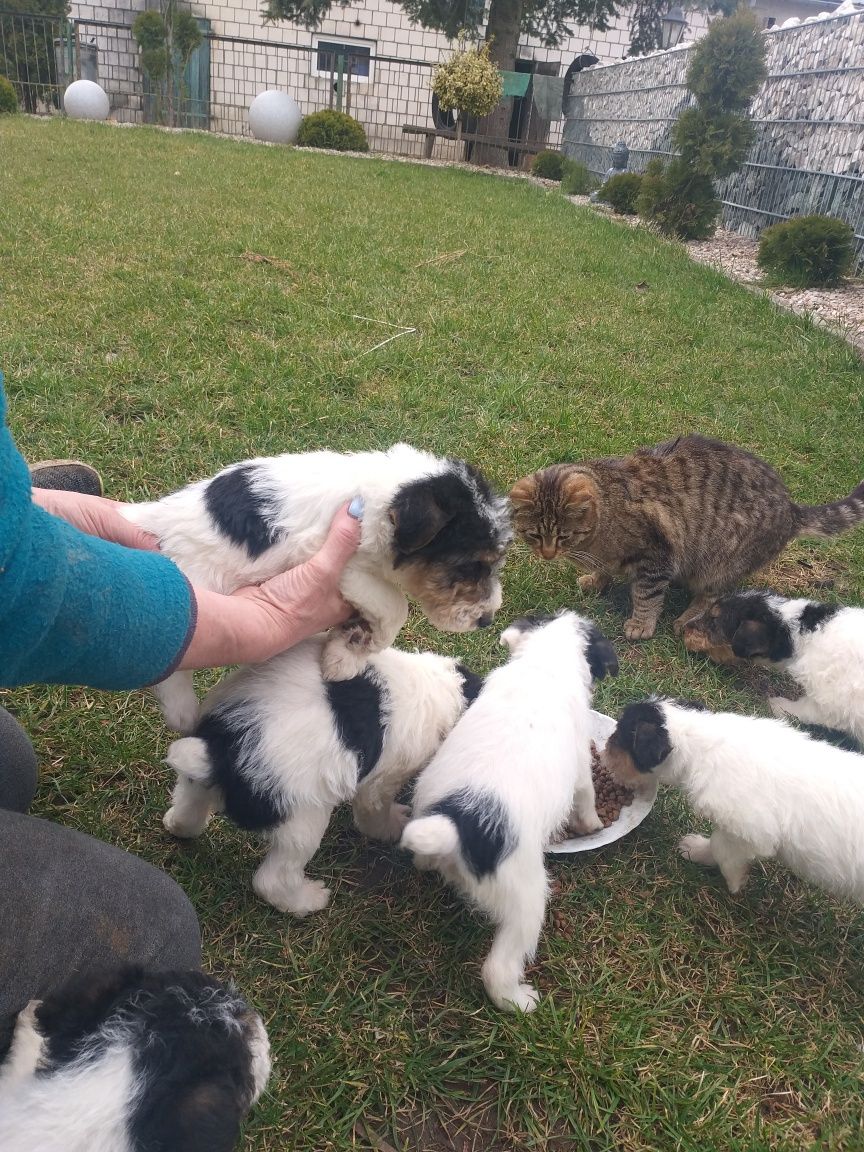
{"x": 523, "y": 493}
{"x": 600, "y": 655}
{"x": 580, "y": 495}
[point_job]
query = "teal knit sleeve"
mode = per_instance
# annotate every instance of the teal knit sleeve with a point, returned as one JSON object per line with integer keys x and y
{"x": 75, "y": 609}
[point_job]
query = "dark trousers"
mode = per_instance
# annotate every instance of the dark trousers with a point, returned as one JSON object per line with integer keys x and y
{"x": 69, "y": 903}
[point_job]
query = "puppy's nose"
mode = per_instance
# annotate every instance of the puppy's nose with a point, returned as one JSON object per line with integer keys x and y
{"x": 485, "y": 620}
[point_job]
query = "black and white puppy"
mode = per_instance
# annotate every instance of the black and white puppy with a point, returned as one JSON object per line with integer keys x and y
{"x": 821, "y": 646}
{"x": 130, "y": 1061}
{"x": 515, "y": 768}
{"x": 432, "y": 530}
{"x": 278, "y": 747}
{"x": 769, "y": 790}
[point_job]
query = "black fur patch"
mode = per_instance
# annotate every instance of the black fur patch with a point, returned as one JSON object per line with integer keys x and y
{"x": 191, "y": 1056}
{"x": 239, "y": 512}
{"x": 228, "y": 733}
{"x": 753, "y": 627}
{"x": 815, "y": 615}
{"x": 472, "y": 684}
{"x": 357, "y": 710}
{"x": 485, "y": 835}
{"x": 641, "y": 732}
{"x": 600, "y": 654}
{"x": 437, "y": 518}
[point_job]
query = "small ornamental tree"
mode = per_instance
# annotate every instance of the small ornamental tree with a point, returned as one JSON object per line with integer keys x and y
{"x": 468, "y": 84}
{"x": 166, "y": 40}
{"x": 712, "y": 139}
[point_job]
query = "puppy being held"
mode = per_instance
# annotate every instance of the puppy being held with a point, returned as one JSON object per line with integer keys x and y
{"x": 278, "y": 747}
{"x": 770, "y": 791}
{"x": 821, "y": 646}
{"x": 432, "y": 530}
{"x": 512, "y": 771}
{"x": 132, "y": 1061}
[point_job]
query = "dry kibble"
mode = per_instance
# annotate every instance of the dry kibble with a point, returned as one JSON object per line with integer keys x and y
{"x": 610, "y": 796}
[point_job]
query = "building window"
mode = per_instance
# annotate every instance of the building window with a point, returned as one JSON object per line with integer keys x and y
{"x": 325, "y": 59}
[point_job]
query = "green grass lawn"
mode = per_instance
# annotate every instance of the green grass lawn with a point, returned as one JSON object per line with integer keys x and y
{"x": 141, "y": 328}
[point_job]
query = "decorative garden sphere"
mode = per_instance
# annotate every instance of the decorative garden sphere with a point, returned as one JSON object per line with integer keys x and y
{"x": 84, "y": 100}
{"x": 275, "y": 116}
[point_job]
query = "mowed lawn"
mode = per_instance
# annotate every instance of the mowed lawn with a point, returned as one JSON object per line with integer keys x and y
{"x": 172, "y": 303}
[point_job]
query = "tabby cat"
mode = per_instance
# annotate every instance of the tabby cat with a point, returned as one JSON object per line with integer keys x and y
{"x": 695, "y": 511}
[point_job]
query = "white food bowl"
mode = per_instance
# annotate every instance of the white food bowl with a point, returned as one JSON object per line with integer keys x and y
{"x": 631, "y": 816}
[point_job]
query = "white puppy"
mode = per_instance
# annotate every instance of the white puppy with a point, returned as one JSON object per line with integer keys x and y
{"x": 821, "y": 646}
{"x": 278, "y": 747}
{"x": 768, "y": 789}
{"x": 131, "y": 1061}
{"x": 432, "y": 530}
{"x": 509, "y": 775}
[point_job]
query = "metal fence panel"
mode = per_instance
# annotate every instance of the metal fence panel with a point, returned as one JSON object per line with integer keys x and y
{"x": 808, "y": 162}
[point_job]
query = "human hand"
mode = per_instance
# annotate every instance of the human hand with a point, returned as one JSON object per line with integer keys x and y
{"x": 256, "y": 623}
{"x": 96, "y": 516}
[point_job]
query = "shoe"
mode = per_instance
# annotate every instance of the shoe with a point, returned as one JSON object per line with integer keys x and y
{"x": 67, "y": 476}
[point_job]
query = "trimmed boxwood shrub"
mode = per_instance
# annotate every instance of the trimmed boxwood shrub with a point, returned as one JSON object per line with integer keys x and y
{"x": 548, "y": 165}
{"x": 620, "y": 192}
{"x": 332, "y": 129}
{"x": 577, "y": 180}
{"x": 8, "y": 99}
{"x": 807, "y": 251}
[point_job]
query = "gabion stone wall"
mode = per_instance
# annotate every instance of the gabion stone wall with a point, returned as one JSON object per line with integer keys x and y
{"x": 809, "y": 115}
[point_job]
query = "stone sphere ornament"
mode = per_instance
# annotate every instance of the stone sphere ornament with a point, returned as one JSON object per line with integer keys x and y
{"x": 85, "y": 100}
{"x": 275, "y": 116}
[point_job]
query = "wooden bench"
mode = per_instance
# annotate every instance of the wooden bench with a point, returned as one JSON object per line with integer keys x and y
{"x": 529, "y": 148}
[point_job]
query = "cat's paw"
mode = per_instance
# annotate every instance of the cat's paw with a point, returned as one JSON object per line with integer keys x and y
{"x": 639, "y": 629}
{"x": 593, "y": 582}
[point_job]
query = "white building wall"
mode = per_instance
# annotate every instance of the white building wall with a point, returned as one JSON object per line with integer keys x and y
{"x": 396, "y": 93}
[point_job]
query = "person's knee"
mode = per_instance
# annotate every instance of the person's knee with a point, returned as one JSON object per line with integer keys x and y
{"x": 18, "y": 767}
{"x": 176, "y": 933}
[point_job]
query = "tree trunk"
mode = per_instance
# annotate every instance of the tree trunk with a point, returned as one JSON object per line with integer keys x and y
{"x": 502, "y": 36}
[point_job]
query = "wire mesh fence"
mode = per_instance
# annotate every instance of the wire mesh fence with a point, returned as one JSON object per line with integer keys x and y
{"x": 387, "y": 94}
{"x": 808, "y": 155}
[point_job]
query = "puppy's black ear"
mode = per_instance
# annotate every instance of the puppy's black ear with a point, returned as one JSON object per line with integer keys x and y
{"x": 417, "y": 519}
{"x": 751, "y": 638}
{"x": 600, "y": 655}
{"x": 651, "y": 745}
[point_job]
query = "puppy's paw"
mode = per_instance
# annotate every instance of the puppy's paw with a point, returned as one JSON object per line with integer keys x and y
{"x": 779, "y": 706}
{"x": 298, "y": 899}
{"x": 341, "y": 663}
{"x": 582, "y": 825}
{"x": 395, "y": 822}
{"x": 524, "y": 998}
{"x": 182, "y": 829}
{"x": 639, "y": 629}
{"x": 696, "y": 848}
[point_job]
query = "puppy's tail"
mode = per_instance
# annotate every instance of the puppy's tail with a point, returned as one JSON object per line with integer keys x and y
{"x": 189, "y": 757}
{"x": 430, "y": 836}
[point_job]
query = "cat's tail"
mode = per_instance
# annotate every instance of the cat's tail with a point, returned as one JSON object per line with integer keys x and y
{"x": 832, "y": 519}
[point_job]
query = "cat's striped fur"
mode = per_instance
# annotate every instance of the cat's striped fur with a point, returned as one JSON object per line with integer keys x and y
{"x": 695, "y": 511}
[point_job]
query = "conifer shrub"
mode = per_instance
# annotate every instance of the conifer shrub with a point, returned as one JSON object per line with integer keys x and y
{"x": 8, "y": 97}
{"x": 576, "y": 180}
{"x": 807, "y": 251}
{"x": 621, "y": 192}
{"x": 332, "y": 129}
{"x": 548, "y": 165}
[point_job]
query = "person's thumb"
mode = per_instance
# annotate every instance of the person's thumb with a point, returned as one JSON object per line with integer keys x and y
{"x": 343, "y": 537}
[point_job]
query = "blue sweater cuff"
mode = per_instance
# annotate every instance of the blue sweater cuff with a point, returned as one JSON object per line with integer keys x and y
{"x": 87, "y": 611}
